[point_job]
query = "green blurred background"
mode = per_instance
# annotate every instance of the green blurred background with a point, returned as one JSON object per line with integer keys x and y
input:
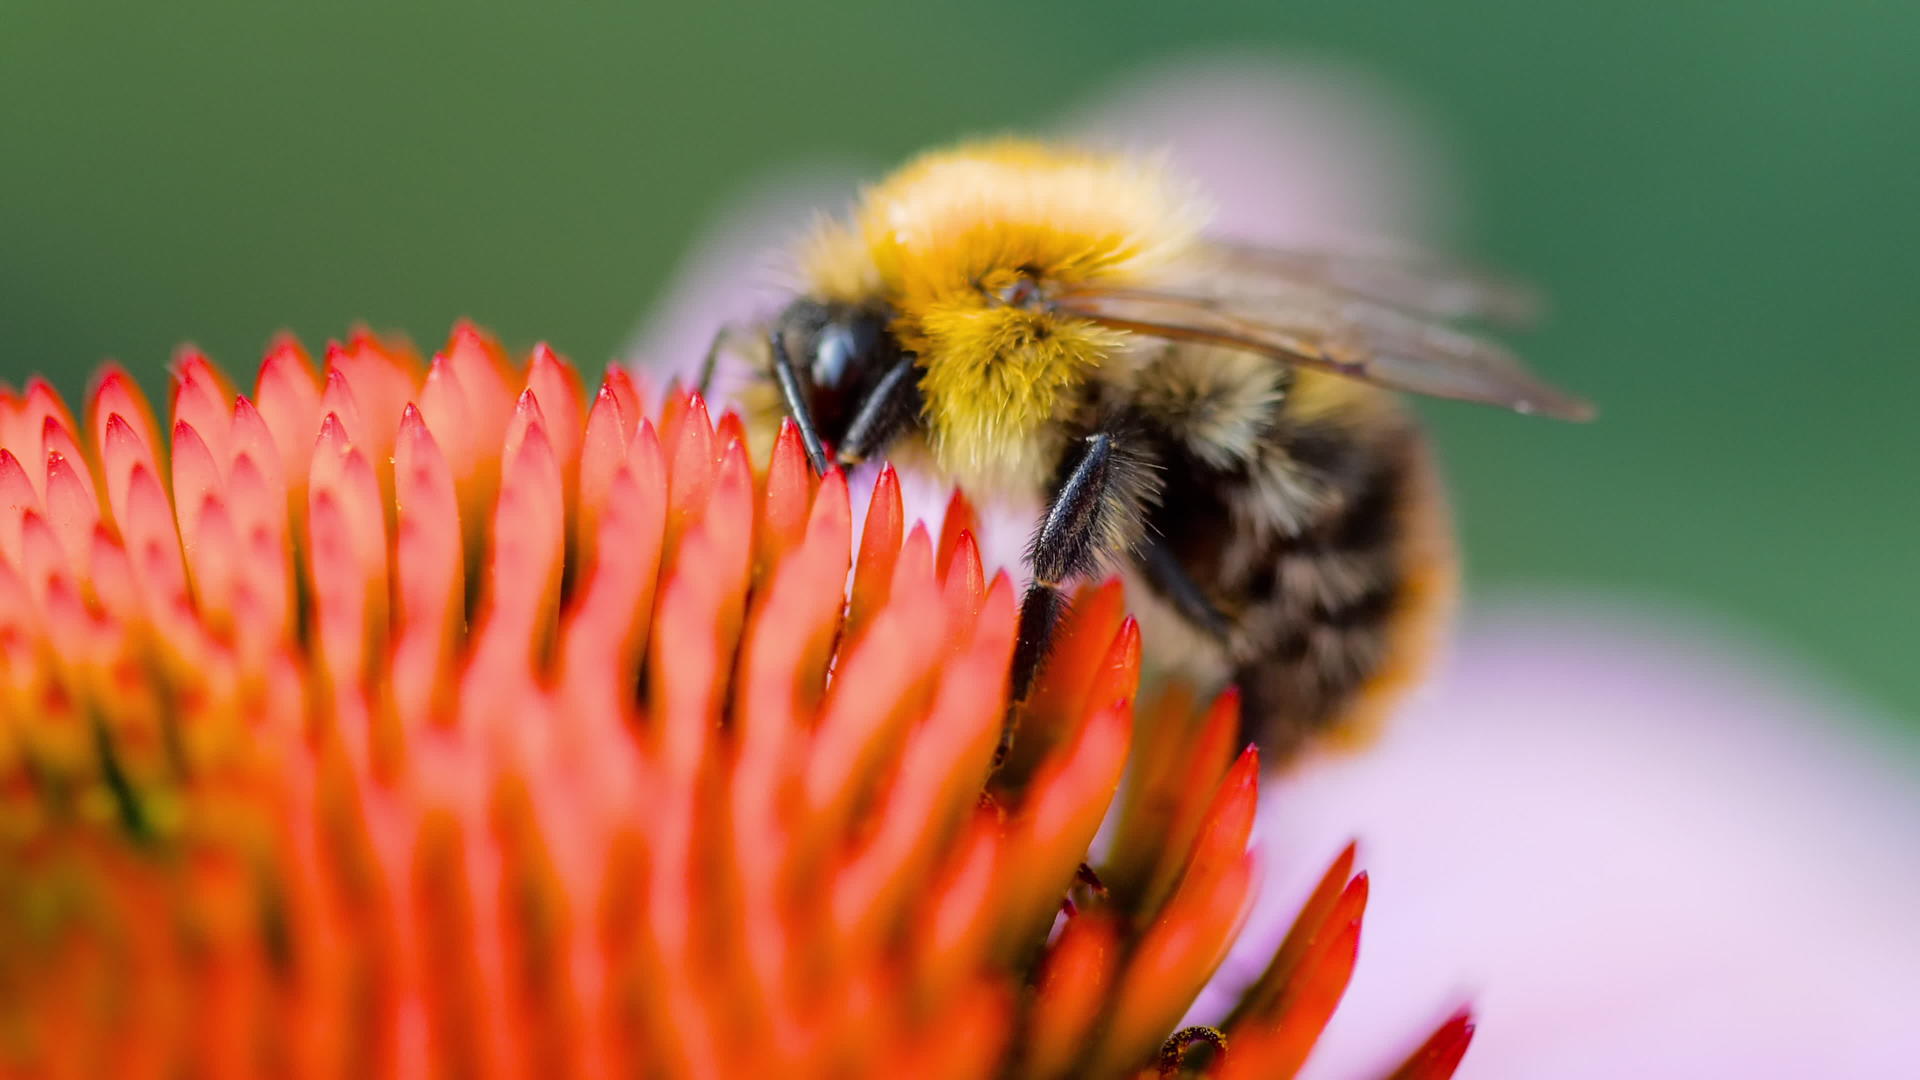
{"x": 1720, "y": 196}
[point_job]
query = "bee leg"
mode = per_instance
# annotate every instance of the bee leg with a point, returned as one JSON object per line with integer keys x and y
{"x": 1083, "y": 520}
{"x": 1040, "y": 611}
{"x": 1163, "y": 571}
{"x": 711, "y": 361}
{"x": 796, "y": 401}
{"x": 882, "y": 414}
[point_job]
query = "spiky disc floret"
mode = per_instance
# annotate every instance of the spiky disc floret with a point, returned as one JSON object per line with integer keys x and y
{"x": 414, "y": 718}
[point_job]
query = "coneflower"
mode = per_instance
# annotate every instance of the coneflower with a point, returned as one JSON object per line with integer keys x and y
{"x": 427, "y": 719}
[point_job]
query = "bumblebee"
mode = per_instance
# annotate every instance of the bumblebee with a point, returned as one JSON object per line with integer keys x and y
{"x": 1212, "y": 418}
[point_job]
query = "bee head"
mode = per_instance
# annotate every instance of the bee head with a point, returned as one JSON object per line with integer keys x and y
{"x": 840, "y": 353}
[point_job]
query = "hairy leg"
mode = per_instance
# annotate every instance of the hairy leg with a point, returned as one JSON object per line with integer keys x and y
{"x": 1094, "y": 513}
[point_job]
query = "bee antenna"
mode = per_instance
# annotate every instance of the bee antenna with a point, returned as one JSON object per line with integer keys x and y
{"x": 797, "y": 403}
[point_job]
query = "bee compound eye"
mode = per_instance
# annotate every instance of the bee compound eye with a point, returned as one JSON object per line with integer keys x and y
{"x": 833, "y": 356}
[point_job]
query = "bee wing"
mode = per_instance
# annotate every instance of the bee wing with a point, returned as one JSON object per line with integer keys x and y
{"x": 1415, "y": 282}
{"x": 1354, "y": 338}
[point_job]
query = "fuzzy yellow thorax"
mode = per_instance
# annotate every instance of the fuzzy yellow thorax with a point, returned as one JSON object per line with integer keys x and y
{"x": 944, "y": 239}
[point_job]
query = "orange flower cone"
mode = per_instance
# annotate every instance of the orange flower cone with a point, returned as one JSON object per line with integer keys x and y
{"x": 416, "y": 719}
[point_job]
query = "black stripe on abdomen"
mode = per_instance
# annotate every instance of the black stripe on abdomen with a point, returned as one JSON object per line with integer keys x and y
{"x": 1327, "y": 598}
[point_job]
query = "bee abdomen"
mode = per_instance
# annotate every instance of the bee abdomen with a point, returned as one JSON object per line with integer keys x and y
{"x": 1319, "y": 618}
{"x": 1303, "y": 651}
{"x": 1351, "y": 603}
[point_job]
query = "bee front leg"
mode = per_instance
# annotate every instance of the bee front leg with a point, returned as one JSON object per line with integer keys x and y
{"x": 1096, "y": 511}
{"x": 710, "y": 363}
{"x": 890, "y": 408}
{"x": 795, "y": 397}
